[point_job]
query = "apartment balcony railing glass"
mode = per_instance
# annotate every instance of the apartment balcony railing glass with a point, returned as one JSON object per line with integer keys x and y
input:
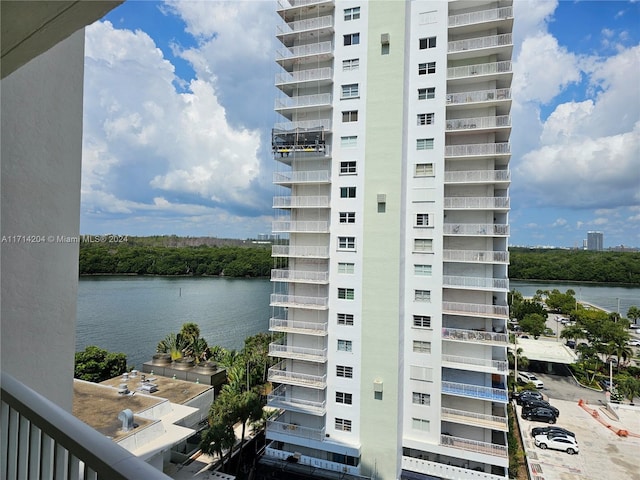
{"x": 475, "y": 391}
{"x": 318, "y": 355}
{"x": 476, "y": 310}
{"x": 480, "y": 149}
{"x": 283, "y": 397}
{"x": 479, "y": 69}
{"x": 476, "y": 229}
{"x": 305, "y": 25}
{"x": 480, "y": 16}
{"x": 478, "y": 123}
{"x": 279, "y": 427}
{"x": 304, "y": 201}
{"x": 302, "y": 76}
{"x": 299, "y": 252}
{"x": 287, "y": 4}
{"x": 298, "y": 301}
{"x": 303, "y": 101}
{"x": 458, "y": 361}
{"x": 477, "y": 176}
{"x": 476, "y": 202}
{"x": 305, "y": 50}
{"x": 477, "y": 419}
{"x": 491, "y": 41}
{"x": 453, "y": 281}
{"x": 302, "y": 276}
{"x": 474, "y": 446}
{"x": 279, "y": 373}
{"x": 293, "y": 326}
{"x": 300, "y": 227}
{"x": 317, "y": 176}
{"x": 475, "y": 256}
{"x": 321, "y": 124}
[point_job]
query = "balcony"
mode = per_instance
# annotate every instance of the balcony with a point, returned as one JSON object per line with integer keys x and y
{"x": 443, "y": 470}
{"x": 286, "y": 105}
{"x": 41, "y": 440}
{"x": 299, "y": 252}
{"x": 313, "y": 462}
{"x": 479, "y": 98}
{"x": 474, "y": 446}
{"x": 476, "y": 229}
{"x": 304, "y": 201}
{"x": 303, "y": 328}
{"x": 485, "y": 71}
{"x": 278, "y": 428}
{"x": 476, "y": 203}
{"x": 307, "y": 53}
{"x": 279, "y": 374}
{"x": 475, "y": 336}
{"x": 477, "y": 176}
{"x": 481, "y": 17}
{"x": 282, "y": 397}
{"x": 302, "y": 176}
{"x": 477, "y": 150}
{"x": 298, "y": 301}
{"x": 474, "y": 364}
{"x": 301, "y": 27}
{"x": 318, "y": 355}
{"x": 475, "y": 391}
{"x": 300, "y": 227}
{"x": 475, "y": 256}
{"x": 477, "y": 124}
{"x": 321, "y": 124}
{"x": 285, "y": 5}
{"x": 475, "y": 283}
{"x": 490, "y": 45}
{"x": 475, "y": 310}
{"x": 324, "y": 75}
{"x": 477, "y": 419}
{"x": 299, "y": 276}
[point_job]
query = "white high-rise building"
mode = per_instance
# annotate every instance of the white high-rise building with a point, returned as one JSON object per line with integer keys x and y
{"x": 391, "y": 288}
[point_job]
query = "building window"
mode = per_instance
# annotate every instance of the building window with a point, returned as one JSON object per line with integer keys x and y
{"x": 351, "y": 64}
{"x": 346, "y": 268}
{"x": 422, "y": 296}
{"x": 420, "y": 373}
{"x": 351, "y": 13}
{"x": 425, "y": 118}
{"x": 424, "y": 170}
{"x": 429, "y": 42}
{"x": 423, "y": 270}
{"x": 346, "y": 293}
{"x": 423, "y": 220}
{"x": 426, "y": 93}
{"x": 352, "y": 39}
{"x": 426, "y": 68}
{"x": 346, "y": 398}
{"x": 347, "y": 167}
{"x": 424, "y": 144}
{"x": 347, "y": 192}
{"x": 345, "y": 319}
{"x": 350, "y": 116}
{"x": 422, "y": 321}
{"x": 421, "y": 398}
{"x": 345, "y": 345}
{"x": 349, "y": 142}
{"x": 421, "y": 347}
{"x": 347, "y": 217}
{"x": 343, "y": 424}
{"x": 420, "y": 424}
{"x": 350, "y": 90}
{"x": 348, "y": 243}
{"x": 344, "y": 372}
{"x": 423, "y": 245}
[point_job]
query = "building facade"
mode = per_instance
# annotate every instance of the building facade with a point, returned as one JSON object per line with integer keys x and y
{"x": 390, "y": 283}
{"x": 595, "y": 241}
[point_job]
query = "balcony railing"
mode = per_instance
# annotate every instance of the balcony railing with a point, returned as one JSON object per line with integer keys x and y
{"x": 279, "y": 374}
{"x": 302, "y": 276}
{"x": 300, "y": 227}
{"x": 282, "y": 397}
{"x": 444, "y": 470}
{"x": 475, "y": 256}
{"x": 474, "y": 446}
{"x": 479, "y": 70}
{"x": 475, "y": 391}
{"x": 41, "y": 440}
{"x": 479, "y": 96}
{"x": 299, "y": 252}
{"x": 475, "y": 282}
{"x": 287, "y": 4}
{"x": 477, "y": 176}
{"x": 305, "y": 25}
{"x": 298, "y": 353}
{"x": 304, "y": 201}
{"x": 476, "y": 202}
{"x": 293, "y": 326}
{"x": 480, "y": 42}
{"x": 283, "y": 456}
{"x": 476, "y": 310}
{"x": 478, "y": 123}
{"x": 305, "y": 50}
{"x": 477, "y": 149}
{"x": 476, "y": 229}
{"x": 475, "y": 336}
{"x": 300, "y": 76}
{"x": 280, "y": 427}
{"x": 483, "y": 363}
{"x": 481, "y": 16}
{"x": 298, "y": 301}
{"x": 304, "y": 176}
{"x": 303, "y": 101}
{"x": 478, "y": 419}
{"x": 321, "y": 124}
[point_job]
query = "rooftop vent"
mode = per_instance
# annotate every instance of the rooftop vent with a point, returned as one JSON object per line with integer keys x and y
{"x": 123, "y": 389}
{"x": 126, "y": 416}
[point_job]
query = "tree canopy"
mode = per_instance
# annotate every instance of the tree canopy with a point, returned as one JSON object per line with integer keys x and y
{"x": 95, "y": 364}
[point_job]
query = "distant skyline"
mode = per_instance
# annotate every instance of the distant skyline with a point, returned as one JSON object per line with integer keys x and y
{"x": 179, "y": 107}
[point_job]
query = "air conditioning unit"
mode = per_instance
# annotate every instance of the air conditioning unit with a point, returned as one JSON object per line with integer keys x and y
{"x": 384, "y": 39}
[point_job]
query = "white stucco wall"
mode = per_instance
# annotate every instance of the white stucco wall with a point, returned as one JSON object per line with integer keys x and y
{"x": 41, "y": 162}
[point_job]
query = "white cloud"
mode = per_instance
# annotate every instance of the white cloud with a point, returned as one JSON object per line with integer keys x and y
{"x": 560, "y": 222}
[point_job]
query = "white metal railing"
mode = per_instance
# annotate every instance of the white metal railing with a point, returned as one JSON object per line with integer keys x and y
{"x": 309, "y": 75}
{"x": 307, "y": 125}
{"x": 304, "y": 201}
{"x": 498, "y": 121}
{"x": 283, "y": 456}
{"x": 475, "y": 282}
{"x": 500, "y": 365}
{"x": 474, "y": 336}
{"x": 294, "y": 326}
{"x": 300, "y": 227}
{"x": 479, "y": 69}
{"x": 444, "y": 470}
{"x": 41, "y": 440}
{"x": 479, "y": 96}
{"x": 305, "y": 50}
{"x": 475, "y": 391}
{"x": 282, "y": 397}
{"x": 298, "y": 353}
{"x": 480, "y": 16}
{"x": 299, "y": 275}
{"x": 476, "y": 229}
{"x": 304, "y": 25}
{"x": 480, "y": 42}
{"x": 480, "y": 256}
{"x": 300, "y": 252}
{"x": 480, "y": 176}
{"x": 476, "y": 202}
{"x": 302, "y": 176}
{"x": 474, "y": 446}
{"x": 286, "y": 4}
{"x": 476, "y": 309}
{"x": 472, "y": 418}
{"x": 303, "y": 101}
{"x": 279, "y": 374}
{"x": 477, "y": 149}
{"x": 299, "y": 301}
{"x": 277, "y": 427}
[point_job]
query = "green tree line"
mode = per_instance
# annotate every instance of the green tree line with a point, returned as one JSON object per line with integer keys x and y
{"x": 575, "y": 266}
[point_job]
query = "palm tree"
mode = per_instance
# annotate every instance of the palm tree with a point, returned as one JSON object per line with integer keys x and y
{"x": 248, "y": 408}
{"x": 621, "y": 350}
{"x": 173, "y": 344}
{"x": 628, "y": 386}
{"x": 218, "y": 438}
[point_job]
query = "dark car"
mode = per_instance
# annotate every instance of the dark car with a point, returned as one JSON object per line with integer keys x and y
{"x": 551, "y": 431}
{"x": 528, "y": 404}
{"x": 521, "y": 397}
{"x": 539, "y": 414}
{"x": 571, "y": 344}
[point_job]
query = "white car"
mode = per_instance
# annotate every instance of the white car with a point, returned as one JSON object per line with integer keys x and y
{"x": 634, "y": 343}
{"x": 561, "y": 442}
{"x": 526, "y": 377}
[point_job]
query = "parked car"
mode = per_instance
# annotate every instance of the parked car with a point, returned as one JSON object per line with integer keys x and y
{"x": 554, "y": 431}
{"x": 605, "y": 384}
{"x": 571, "y": 344}
{"x": 526, "y": 377}
{"x": 521, "y": 397}
{"x": 539, "y": 414}
{"x": 564, "y": 443}
{"x": 635, "y": 326}
{"x": 535, "y": 403}
{"x": 634, "y": 343}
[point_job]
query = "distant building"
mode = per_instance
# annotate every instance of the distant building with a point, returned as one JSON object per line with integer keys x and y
{"x": 595, "y": 241}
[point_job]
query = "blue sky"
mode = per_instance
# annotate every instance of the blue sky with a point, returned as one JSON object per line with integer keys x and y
{"x": 179, "y": 106}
